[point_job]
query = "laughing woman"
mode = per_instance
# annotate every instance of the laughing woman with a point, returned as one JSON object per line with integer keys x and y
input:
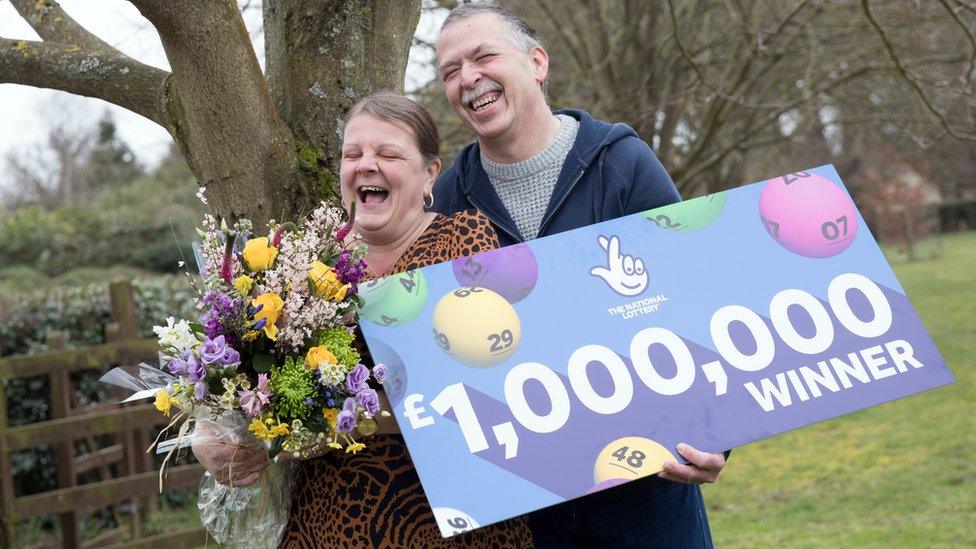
{"x": 390, "y": 160}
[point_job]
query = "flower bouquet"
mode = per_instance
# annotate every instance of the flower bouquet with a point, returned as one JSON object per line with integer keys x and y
{"x": 268, "y": 364}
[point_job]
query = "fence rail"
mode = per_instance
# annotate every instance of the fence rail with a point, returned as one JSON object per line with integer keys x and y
{"x": 136, "y": 481}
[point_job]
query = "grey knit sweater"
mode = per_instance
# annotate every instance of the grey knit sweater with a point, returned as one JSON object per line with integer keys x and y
{"x": 525, "y": 187}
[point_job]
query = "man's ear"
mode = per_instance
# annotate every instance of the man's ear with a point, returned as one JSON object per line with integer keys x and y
{"x": 540, "y": 60}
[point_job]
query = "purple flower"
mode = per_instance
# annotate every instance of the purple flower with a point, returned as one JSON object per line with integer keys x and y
{"x": 356, "y": 379}
{"x": 369, "y": 400}
{"x": 379, "y": 372}
{"x": 195, "y": 370}
{"x": 350, "y": 272}
{"x": 201, "y": 390}
{"x": 349, "y": 405}
{"x": 221, "y": 306}
{"x": 177, "y": 366}
{"x": 212, "y": 350}
{"x": 230, "y": 356}
{"x": 345, "y": 422}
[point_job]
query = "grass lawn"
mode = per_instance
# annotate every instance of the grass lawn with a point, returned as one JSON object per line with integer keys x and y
{"x": 900, "y": 474}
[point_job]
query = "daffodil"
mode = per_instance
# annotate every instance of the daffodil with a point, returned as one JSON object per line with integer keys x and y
{"x": 355, "y": 448}
{"x": 244, "y": 284}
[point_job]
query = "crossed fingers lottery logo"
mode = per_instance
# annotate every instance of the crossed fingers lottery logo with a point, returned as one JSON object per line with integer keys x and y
{"x": 624, "y": 274}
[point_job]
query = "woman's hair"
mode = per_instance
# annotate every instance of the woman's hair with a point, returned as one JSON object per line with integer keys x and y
{"x": 394, "y": 107}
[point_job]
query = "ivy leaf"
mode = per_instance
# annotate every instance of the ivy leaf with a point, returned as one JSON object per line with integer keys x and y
{"x": 262, "y": 362}
{"x": 317, "y": 424}
{"x": 275, "y": 448}
{"x": 196, "y": 327}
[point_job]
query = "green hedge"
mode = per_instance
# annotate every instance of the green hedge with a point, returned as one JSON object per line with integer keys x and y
{"x": 83, "y": 313}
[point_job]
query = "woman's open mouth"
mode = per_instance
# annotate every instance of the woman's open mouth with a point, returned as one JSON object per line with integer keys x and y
{"x": 370, "y": 195}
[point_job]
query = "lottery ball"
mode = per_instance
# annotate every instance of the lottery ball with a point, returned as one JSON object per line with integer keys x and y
{"x": 394, "y": 300}
{"x": 629, "y": 458}
{"x": 511, "y": 271}
{"x": 689, "y": 215}
{"x": 808, "y": 215}
{"x": 452, "y": 521}
{"x": 610, "y": 483}
{"x": 476, "y": 326}
{"x": 395, "y": 384}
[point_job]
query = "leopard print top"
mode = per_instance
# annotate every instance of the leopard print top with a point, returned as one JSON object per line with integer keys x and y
{"x": 374, "y": 498}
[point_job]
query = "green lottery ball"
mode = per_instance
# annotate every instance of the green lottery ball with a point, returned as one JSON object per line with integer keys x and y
{"x": 689, "y": 215}
{"x": 394, "y": 300}
{"x": 476, "y": 326}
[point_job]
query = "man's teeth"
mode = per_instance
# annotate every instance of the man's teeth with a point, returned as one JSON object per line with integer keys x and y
{"x": 372, "y": 189}
{"x": 484, "y": 101}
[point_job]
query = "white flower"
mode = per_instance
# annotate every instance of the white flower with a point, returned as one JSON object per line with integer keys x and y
{"x": 332, "y": 374}
{"x": 176, "y": 335}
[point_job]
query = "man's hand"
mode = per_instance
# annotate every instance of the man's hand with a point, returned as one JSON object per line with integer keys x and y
{"x": 702, "y": 467}
{"x": 232, "y": 464}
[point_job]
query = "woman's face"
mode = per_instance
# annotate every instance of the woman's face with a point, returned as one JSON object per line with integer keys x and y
{"x": 383, "y": 171}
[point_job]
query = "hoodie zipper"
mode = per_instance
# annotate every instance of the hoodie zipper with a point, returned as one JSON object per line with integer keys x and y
{"x": 492, "y": 219}
{"x": 572, "y": 185}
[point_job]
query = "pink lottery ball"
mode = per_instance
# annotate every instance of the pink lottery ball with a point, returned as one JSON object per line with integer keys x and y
{"x": 808, "y": 215}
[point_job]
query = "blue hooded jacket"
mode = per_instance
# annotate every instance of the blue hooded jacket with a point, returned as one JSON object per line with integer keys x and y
{"x": 608, "y": 173}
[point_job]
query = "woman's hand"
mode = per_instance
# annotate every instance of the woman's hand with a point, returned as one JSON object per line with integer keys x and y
{"x": 230, "y": 463}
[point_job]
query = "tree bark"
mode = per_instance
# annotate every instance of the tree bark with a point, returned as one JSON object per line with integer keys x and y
{"x": 220, "y": 111}
{"x": 323, "y": 57}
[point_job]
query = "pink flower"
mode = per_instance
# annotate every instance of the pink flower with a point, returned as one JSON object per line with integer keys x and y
{"x": 252, "y": 401}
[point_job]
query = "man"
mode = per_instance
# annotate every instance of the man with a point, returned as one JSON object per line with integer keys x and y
{"x": 534, "y": 172}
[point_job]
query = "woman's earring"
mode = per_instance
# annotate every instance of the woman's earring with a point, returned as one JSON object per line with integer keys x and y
{"x": 429, "y": 201}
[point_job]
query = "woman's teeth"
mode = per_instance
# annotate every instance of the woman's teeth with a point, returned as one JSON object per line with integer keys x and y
{"x": 372, "y": 195}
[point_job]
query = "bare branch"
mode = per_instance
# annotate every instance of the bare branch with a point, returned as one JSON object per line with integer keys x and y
{"x": 52, "y": 24}
{"x": 115, "y": 78}
{"x": 968, "y": 78}
{"x": 903, "y": 70}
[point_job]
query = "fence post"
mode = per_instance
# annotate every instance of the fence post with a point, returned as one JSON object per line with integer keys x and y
{"x": 909, "y": 234}
{"x": 64, "y": 451}
{"x": 8, "y": 528}
{"x": 127, "y": 322}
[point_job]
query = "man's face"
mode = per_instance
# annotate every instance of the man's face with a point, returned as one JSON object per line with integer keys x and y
{"x": 489, "y": 81}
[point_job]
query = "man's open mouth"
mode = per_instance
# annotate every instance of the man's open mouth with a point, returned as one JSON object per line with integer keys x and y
{"x": 484, "y": 101}
{"x": 371, "y": 194}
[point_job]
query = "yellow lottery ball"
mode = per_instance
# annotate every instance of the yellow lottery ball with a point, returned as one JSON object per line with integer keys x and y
{"x": 476, "y": 326}
{"x": 629, "y": 458}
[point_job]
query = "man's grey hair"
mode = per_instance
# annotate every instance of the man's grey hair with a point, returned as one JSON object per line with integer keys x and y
{"x": 521, "y": 33}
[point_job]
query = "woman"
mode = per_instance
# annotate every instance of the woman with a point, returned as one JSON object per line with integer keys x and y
{"x": 390, "y": 161}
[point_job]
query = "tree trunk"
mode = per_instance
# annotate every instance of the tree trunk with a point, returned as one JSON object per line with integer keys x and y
{"x": 262, "y": 147}
{"x": 322, "y": 57}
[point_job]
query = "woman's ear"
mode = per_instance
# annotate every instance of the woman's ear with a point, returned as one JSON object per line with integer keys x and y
{"x": 433, "y": 170}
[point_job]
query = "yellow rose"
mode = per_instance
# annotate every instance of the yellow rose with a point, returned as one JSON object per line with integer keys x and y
{"x": 271, "y": 305}
{"x": 325, "y": 283}
{"x": 318, "y": 356}
{"x": 259, "y": 254}
{"x": 244, "y": 284}
{"x": 163, "y": 402}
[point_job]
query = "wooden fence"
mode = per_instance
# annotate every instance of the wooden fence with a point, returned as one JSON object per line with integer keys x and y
{"x": 136, "y": 481}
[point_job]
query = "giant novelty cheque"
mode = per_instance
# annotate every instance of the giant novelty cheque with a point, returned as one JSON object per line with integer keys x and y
{"x": 541, "y": 372}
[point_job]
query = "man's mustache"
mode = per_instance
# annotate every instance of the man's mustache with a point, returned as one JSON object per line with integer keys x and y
{"x": 482, "y": 87}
